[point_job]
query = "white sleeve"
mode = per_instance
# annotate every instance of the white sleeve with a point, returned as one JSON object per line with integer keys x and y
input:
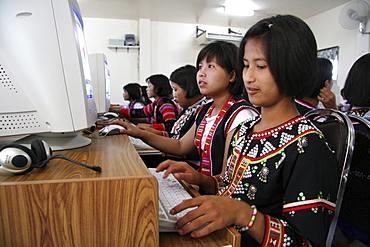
{"x": 138, "y": 105}
{"x": 241, "y": 117}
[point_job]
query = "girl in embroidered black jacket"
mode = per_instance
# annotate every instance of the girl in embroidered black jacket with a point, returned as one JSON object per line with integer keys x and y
{"x": 279, "y": 184}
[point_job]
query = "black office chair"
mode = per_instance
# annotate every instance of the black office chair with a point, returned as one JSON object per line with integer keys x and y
{"x": 339, "y": 132}
{"x": 354, "y": 216}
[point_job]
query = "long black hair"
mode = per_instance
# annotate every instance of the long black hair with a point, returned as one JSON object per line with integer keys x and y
{"x": 225, "y": 54}
{"x": 357, "y": 86}
{"x": 161, "y": 84}
{"x": 133, "y": 90}
{"x": 186, "y": 78}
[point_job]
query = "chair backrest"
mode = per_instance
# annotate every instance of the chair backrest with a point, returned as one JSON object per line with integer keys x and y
{"x": 354, "y": 217}
{"x": 339, "y": 132}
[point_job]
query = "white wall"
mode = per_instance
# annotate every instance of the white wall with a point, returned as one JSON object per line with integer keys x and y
{"x": 174, "y": 45}
{"x": 164, "y": 47}
{"x": 167, "y": 46}
{"x": 122, "y": 64}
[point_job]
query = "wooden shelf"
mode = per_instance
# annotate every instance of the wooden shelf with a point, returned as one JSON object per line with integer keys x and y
{"x": 124, "y": 46}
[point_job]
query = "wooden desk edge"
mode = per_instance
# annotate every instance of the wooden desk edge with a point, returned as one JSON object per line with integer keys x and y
{"x": 149, "y": 176}
{"x": 229, "y": 233}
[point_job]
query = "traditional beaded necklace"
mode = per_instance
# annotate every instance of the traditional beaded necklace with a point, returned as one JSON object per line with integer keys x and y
{"x": 206, "y": 164}
{"x": 361, "y": 111}
{"x": 236, "y": 167}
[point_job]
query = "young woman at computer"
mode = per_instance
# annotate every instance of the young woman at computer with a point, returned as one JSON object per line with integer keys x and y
{"x": 186, "y": 93}
{"x": 281, "y": 179}
{"x": 210, "y": 135}
{"x": 131, "y": 93}
{"x": 163, "y": 112}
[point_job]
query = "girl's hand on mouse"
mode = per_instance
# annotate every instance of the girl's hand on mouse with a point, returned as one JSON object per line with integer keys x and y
{"x": 129, "y": 129}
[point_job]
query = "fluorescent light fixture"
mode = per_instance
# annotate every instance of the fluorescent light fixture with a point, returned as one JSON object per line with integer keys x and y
{"x": 239, "y": 7}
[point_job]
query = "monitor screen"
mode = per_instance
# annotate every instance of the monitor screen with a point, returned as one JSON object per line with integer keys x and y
{"x": 100, "y": 81}
{"x": 46, "y": 90}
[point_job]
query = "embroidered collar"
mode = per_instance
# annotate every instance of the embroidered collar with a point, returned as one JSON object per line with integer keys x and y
{"x": 245, "y": 153}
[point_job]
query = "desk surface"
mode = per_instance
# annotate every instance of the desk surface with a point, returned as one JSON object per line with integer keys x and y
{"x": 115, "y": 154}
{"x": 66, "y": 204}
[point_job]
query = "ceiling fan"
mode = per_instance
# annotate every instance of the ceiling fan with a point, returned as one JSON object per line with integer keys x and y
{"x": 355, "y": 14}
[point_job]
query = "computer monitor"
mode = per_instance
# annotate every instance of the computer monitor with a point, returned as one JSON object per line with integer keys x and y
{"x": 45, "y": 78}
{"x": 100, "y": 81}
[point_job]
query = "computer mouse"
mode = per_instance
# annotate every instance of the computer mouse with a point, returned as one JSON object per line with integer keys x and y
{"x": 110, "y": 115}
{"x": 102, "y": 118}
{"x": 111, "y": 130}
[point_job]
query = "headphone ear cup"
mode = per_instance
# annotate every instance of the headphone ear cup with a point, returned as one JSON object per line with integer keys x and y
{"x": 15, "y": 158}
{"x": 41, "y": 150}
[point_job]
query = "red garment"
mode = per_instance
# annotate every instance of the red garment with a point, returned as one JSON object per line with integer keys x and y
{"x": 162, "y": 112}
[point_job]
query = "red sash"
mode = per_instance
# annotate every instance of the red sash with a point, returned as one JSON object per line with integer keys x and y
{"x": 206, "y": 162}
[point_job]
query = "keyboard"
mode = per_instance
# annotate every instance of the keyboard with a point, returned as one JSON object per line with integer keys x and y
{"x": 139, "y": 144}
{"x": 142, "y": 148}
{"x": 170, "y": 194}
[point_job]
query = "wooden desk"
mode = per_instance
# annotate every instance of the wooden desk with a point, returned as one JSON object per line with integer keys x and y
{"x": 65, "y": 204}
{"x": 69, "y": 205}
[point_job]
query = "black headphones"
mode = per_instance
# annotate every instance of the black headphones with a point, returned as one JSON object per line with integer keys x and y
{"x": 18, "y": 159}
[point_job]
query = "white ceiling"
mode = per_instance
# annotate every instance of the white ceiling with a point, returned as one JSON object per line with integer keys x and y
{"x": 200, "y": 11}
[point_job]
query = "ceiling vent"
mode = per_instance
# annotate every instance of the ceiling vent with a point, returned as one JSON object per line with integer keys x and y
{"x": 204, "y": 37}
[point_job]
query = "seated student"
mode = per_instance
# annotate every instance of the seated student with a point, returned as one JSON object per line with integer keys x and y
{"x": 216, "y": 77}
{"x": 144, "y": 94}
{"x": 163, "y": 111}
{"x": 280, "y": 182}
{"x": 321, "y": 89}
{"x": 131, "y": 93}
{"x": 357, "y": 87}
{"x": 352, "y": 221}
{"x": 186, "y": 93}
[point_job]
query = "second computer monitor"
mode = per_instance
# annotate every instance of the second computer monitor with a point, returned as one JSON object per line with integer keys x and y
{"x": 100, "y": 81}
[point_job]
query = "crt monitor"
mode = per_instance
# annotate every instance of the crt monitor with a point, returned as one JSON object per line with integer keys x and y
{"x": 100, "y": 81}
{"x": 45, "y": 76}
